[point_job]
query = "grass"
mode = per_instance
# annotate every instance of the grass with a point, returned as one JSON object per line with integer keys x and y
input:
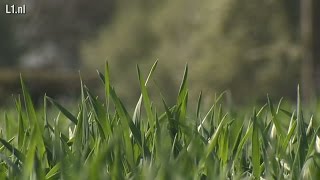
{"x": 102, "y": 140}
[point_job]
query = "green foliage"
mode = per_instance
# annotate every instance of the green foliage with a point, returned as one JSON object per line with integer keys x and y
{"x": 228, "y": 44}
{"x": 104, "y": 141}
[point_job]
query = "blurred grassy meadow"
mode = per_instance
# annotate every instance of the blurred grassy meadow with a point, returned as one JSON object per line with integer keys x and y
{"x": 134, "y": 89}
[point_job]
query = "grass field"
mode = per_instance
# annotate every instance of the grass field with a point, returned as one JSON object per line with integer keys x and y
{"x": 102, "y": 140}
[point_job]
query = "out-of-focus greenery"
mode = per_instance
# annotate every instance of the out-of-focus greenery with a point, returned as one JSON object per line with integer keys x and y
{"x": 249, "y": 47}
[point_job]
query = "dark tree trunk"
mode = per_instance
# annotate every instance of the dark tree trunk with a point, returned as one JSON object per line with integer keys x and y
{"x": 310, "y": 38}
{"x": 316, "y": 43}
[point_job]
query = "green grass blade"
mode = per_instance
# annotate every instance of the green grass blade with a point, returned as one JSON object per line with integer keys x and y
{"x": 242, "y": 142}
{"x": 214, "y": 138}
{"x": 64, "y": 111}
{"x": 107, "y": 81}
{"x": 10, "y": 163}
{"x": 100, "y": 115}
{"x": 153, "y": 68}
{"x": 146, "y": 99}
{"x": 21, "y": 126}
{"x": 312, "y": 143}
{"x": 183, "y": 108}
{"x": 32, "y": 116}
{"x": 275, "y": 120}
{"x": 290, "y": 133}
{"x": 54, "y": 172}
{"x": 123, "y": 114}
{"x": 237, "y": 141}
{"x": 182, "y": 101}
{"x": 199, "y": 105}
{"x": 255, "y": 148}
{"x": 13, "y": 150}
{"x": 261, "y": 109}
{"x": 137, "y": 111}
{"x": 183, "y": 87}
{"x": 205, "y": 118}
{"x": 289, "y": 114}
{"x": 173, "y": 125}
{"x": 101, "y": 76}
{"x": 7, "y": 126}
{"x": 224, "y": 146}
{"x": 28, "y": 166}
{"x": 29, "y": 105}
{"x": 85, "y": 115}
{"x": 301, "y": 131}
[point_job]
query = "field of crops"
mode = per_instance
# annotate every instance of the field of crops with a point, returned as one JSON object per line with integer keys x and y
{"x": 101, "y": 139}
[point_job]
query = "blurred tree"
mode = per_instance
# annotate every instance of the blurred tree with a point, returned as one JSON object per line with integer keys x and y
{"x": 267, "y": 48}
{"x": 8, "y": 49}
{"x": 232, "y": 44}
{"x": 53, "y": 30}
{"x": 310, "y": 37}
{"x": 126, "y": 41}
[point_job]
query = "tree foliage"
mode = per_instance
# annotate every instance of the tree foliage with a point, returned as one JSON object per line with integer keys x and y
{"x": 60, "y": 26}
{"x": 8, "y": 48}
{"x": 229, "y": 43}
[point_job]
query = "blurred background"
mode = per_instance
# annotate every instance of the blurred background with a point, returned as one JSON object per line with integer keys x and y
{"x": 248, "y": 47}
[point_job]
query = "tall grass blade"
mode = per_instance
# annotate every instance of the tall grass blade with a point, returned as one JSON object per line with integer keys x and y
{"x": 54, "y": 172}
{"x": 64, "y": 111}
{"x": 199, "y": 105}
{"x": 100, "y": 115}
{"x": 13, "y": 150}
{"x": 21, "y": 126}
{"x": 301, "y": 131}
{"x": 32, "y": 116}
{"x": 214, "y": 138}
{"x": 255, "y": 148}
{"x": 137, "y": 111}
{"x": 123, "y": 114}
{"x": 241, "y": 145}
{"x": 173, "y": 125}
{"x": 146, "y": 99}
{"x": 275, "y": 120}
{"x": 183, "y": 95}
